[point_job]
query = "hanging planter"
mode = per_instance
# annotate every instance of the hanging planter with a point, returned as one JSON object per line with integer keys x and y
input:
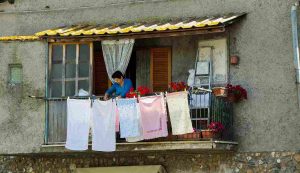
{"x": 234, "y": 60}
{"x": 236, "y": 93}
{"x": 219, "y": 91}
{"x": 232, "y": 98}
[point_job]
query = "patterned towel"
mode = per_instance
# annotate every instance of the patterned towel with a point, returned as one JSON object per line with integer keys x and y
{"x": 129, "y": 121}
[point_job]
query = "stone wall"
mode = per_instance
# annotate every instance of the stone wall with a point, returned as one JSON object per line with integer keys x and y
{"x": 175, "y": 162}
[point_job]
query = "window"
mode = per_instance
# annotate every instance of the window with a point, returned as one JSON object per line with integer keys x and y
{"x": 157, "y": 63}
{"x": 70, "y": 67}
{"x": 15, "y": 74}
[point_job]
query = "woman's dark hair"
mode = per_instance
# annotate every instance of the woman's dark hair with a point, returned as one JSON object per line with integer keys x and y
{"x": 117, "y": 74}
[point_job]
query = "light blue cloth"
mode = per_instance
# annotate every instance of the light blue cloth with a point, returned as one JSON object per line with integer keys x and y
{"x": 129, "y": 122}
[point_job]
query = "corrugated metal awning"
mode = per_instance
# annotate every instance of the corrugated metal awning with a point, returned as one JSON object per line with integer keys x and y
{"x": 146, "y": 29}
{"x": 124, "y": 169}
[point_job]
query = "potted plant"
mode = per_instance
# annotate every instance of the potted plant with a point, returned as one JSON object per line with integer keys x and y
{"x": 234, "y": 59}
{"x": 219, "y": 91}
{"x": 214, "y": 130}
{"x": 177, "y": 86}
{"x": 141, "y": 91}
{"x": 196, "y": 135}
{"x": 235, "y": 93}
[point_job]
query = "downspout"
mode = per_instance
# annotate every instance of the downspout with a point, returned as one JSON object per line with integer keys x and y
{"x": 294, "y": 21}
{"x": 46, "y": 130}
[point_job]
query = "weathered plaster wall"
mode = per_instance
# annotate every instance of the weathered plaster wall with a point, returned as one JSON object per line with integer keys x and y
{"x": 267, "y": 121}
{"x": 21, "y": 117}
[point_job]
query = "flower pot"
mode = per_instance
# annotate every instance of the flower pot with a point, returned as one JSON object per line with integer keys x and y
{"x": 190, "y": 136}
{"x": 209, "y": 134}
{"x": 219, "y": 91}
{"x": 234, "y": 60}
{"x": 232, "y": 98}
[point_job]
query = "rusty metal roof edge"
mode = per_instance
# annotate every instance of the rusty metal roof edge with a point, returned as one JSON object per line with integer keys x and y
{"x": 133, "y": 33}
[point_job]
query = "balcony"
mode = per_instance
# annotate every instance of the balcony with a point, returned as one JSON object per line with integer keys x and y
{"x": 204, "y": 108}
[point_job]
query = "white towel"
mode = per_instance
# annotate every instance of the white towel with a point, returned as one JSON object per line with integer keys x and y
{"x": 179, "y": 113}
{"x": 139, "y": 138}
{"x": 104, "y": 122}
{"x": 78, "y": 118}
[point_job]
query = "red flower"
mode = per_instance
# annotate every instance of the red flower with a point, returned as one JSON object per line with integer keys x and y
{"x": 216, "y": 127}
{"x": 141, "y": 90}
{"x": 237, "y": 91}
{"x": 177, "y": 86}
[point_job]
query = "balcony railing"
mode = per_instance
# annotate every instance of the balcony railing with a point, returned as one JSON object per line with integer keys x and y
{"x": 204, "y": 108}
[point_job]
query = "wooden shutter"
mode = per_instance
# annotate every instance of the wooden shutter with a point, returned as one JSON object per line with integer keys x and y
{"x": 160, "y": 69}
{"x": 100, "y": 74}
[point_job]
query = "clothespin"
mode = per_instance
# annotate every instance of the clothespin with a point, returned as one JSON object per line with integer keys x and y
{"x": 138, "y": 99}
{"x": 90, "y": 101}
{"x": 68, "y": 97}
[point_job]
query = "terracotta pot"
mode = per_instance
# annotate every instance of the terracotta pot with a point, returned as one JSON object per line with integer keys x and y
{"x": 209, "y": 134}
{"x": 234, "y": 60}
{"x": 232, "y": 98}
{"x": 190, "y": 136}
{"x": 219, "y": 91}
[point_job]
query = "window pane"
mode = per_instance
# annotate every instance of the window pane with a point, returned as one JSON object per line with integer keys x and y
{"x": 56, "y": 89}
{"x": 84, "y": 52}
{"x": 70, "y": 70}
{"x": 71, "y": 51}
{"x": 15, "y": 74}
{"x": 83, "y": 84}
{"x": 57, "y": 52}
{"x": 56, "y": 71}
{"x": 70, "y": 88}
{"x": 83, "y": 69}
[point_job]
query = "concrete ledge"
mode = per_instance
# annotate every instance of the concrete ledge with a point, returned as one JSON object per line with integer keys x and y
{"x": 155, "y": 146}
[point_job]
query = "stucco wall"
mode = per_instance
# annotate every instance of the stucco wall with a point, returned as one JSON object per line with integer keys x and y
{"x": 267, "y": 121}
{"x": 21, "y": 117}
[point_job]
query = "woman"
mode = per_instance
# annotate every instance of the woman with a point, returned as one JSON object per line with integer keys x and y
{"x": 120, "y": 87}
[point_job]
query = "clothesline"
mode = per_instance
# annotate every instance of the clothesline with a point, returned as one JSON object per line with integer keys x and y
{"x": 101, "y": 97}
{"x": 135, "y": 121}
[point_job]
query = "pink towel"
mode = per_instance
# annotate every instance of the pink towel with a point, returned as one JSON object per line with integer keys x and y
{"x": 154, "y": 117}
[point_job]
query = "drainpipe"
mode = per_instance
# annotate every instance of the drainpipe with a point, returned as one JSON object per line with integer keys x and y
{"x": 46, "y": 131}
{"x": 294, "y": 18}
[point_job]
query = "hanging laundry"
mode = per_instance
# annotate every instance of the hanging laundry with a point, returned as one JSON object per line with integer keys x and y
{"x": 118, "y": 121}
{"x": 139, "y": 138}
{"x": 78, "y": 118}
{"x": 129, "y": 123}
{"x": 154, "y": 117}
{"x": 179, "y": 113}
{"x": 104, "y": 123}
{"x": 199, "y": 100}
